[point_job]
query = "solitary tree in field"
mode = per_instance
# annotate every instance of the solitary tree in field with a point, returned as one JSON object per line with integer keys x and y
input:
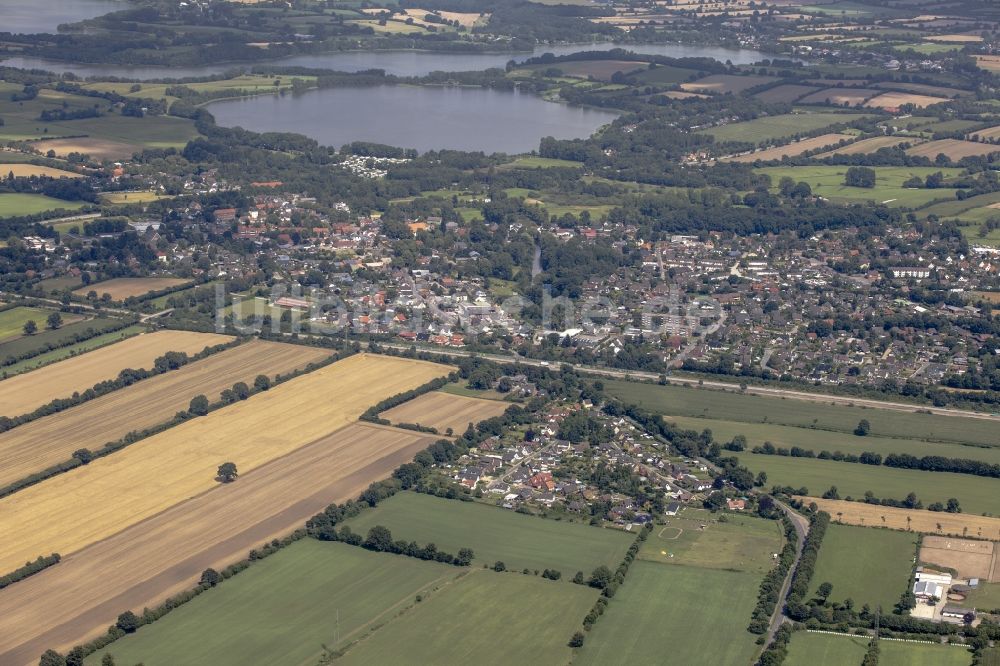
{"x": 864, "y": 427}
{"x": 54, "y": 321}
{"x": 107, "y": 660}
{"x": 227, "y": 472}
{"x": 30, "y": 327}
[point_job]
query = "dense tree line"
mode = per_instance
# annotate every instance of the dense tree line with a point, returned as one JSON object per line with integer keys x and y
{"x": 796, "y": 607}
{"x": 29, "y": 569}
{"x": 770, "y": 588}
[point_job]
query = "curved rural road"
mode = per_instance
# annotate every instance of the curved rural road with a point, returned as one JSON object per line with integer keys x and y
{"x": 801, "y": 529}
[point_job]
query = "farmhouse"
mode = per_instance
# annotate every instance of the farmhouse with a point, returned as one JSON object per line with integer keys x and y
{"x": 927, "y": 590}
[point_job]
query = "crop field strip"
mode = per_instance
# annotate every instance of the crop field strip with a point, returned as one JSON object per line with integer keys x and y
{"x": 20, "y": 395}
{"x": 443, "y": 410}
{"x": 164, "y": 554}
{"x": 928, "y": 522}
{"x": 95, "y": 501}
{"x": 122, "y": 288}
{"x": 811, "y": 648}
{"x": 35, "y": 446}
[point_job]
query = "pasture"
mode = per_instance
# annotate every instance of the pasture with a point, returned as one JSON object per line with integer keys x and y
{"x": 112, "y": 136}
{"x": 726, "y": 83}
{"x": 598, "y": 70}
{"x": 871, "y": 566}
{"x": 97, "y": 500}
{"x": 977, "y": 494}
{"x": 12, "y": 321}
{"x": 48, "y": 441}
{"x": 20, "y": 395}
{"x": 840, "y": 96}
{"x": 787, "y": 92}
{"x": 24, "y": 170}
{"x": 809, "y": 649}
{"x": 442, "y": 411}
{"x": 866, "y": 146}
{"x": 771, "y": 128}
{"x": 517, "y": 540}
{"x": 699, "y": 538}
{"x": 484, "y": 617}
{"x": 15, "y": 204}
{"x": 166, "y": 553}
{"x": 48, "y": 339}
{"x": 793, "y": 149}
{"x": 122, "y": 288}
{"x": 986, "y": 597}
{"x": 828, "y": 182}
{"x": 69, "y": 351}
{"x": 733, "y": 406}
{"x": 675, "y": 615}
{"x": 304, "y": 586}
{"x": 954, "y": 149}
{"x": 928, "y": 522}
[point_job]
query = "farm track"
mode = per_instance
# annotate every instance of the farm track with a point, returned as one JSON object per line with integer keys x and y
{"x": 48, "y": 441}
{"x": 165, "y": 554}
{"x": 23, "y": 393}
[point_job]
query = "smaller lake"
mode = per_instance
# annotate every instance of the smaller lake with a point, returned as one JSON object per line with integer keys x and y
{"x": 33, "y": 16}
{"x": 425, "y": 118}
{"x": 399, "y": 63}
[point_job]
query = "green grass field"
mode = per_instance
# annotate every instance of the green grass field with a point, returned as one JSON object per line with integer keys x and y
{"x": 812, "y": 649}
{"x": 732, "y": 406}
{"x": 12, "y": 321}
{"x": 742, "y": 543}
{"x": 985, "y": 597}
{"x": 675, "y": 616}
{"x": 828, "y": 182}
{"x": 818, "y": 440}
{"x": 484, "y": 618}
{"x": 869, "y": 565}
{"x": 14, "y": 204}
{"x": 70, "y": 350}
{"x": 45, "y": 338}
{"x": 761, "y": 130}
{"x": 977, "y": 494}
{"x": 284, "y": 609}
{"x": 532, "y": 162}
{"x": 990, "y": 657}
{"x": 496, "y": 534}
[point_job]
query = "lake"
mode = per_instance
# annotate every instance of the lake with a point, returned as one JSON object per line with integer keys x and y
{"x": 400, "y": 63}
{"x": 418, "y": 117}
{"x": 32, "y": 16}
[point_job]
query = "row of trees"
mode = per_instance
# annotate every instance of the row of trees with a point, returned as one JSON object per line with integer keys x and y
{"x": 770, "y": 588}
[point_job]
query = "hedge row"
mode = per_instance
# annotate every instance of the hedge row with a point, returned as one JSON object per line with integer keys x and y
{"x": 770, "y": 588}
{"x": 29, "y": 569}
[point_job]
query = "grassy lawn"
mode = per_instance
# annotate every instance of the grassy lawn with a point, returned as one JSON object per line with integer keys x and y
{"x": 977, "y": 494}
{"x": 761, "y": 130}
{"x": 484, "y": 618}
{"x": 284, "y": 609}
{"x": 809, "y": 649}
{"x": 742, "y": 543}
{"x": 985, "y": 597}
{"x": 533, "y": 162}
{"x": 496, "y": 534}
{"x": 17, "y": 203}
{"x": 70, "y": 350}
{"x": 675, "y": 615}
{"x": 871, "y": 566}
{"x": 732, "y": 406}
{"x": 828, "y": 182}
{"x": 818, "y": 440}
{"x": 12, "y": 321}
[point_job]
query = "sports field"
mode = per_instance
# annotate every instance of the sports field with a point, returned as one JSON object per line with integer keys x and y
{"x": 699, "y": 538}
{"x": 732, "y": 406}
{"x": 443, "y": 410}
{"x": 24, "y": 393}
{"x": 675, "y": 616}
{"x": 95, "y": 501}
{"x": 314, "y": 591}
{"x": 47, "y": 441}
{"x": 929, "y": 522}
{"x": 517, "y": 540}
{"x": 122, "y": 288}
{"x": 869, "y": 565}
{"x": 977, "y": 494}
{"x": 810, "y": 649}
{"x": 164, "y": 555}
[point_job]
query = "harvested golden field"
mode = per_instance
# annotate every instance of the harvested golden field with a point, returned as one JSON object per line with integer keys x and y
{"x": 28, "y": 170}
{"x": 984, "y": 134}
{"x": 36, "y": 446}
{"x": 990, "y": 63}
{"x": 928, "y": 522}
{"x": 140, "y": 566}
{"x": 954, "y": 39}
{"x": 122, "y": 288}
{"x": 892, "y": 100}
{"x": 871, "y": 145}
{"x": 955, "y": 149}
{"x": 841, "y": 96}
{"x": 970, "y": 558}
{"x": 73, "y": 510}
{"x": 445, "y": 410}
{"x": 679, "y": 94}
{"x": 727, "y": 83}
{"x": 23, "y": 393}
{"x": 792, "y": 149}
{"x": 100, "y": 149}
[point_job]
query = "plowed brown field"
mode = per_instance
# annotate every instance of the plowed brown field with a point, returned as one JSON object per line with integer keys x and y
{"x": 78, "y": 598}
{"x": 35, "y": 446}
{"x": 68, "y": 512}
{"x": 23, "y": 393}
{"x": 444, "y": 410}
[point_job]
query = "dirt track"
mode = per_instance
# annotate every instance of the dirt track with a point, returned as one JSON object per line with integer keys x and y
{"x": 79, "y": 597}
{"x": 23, "y": 393}
{"x": 444, "y": 410}
{"x": 48, "y": 441}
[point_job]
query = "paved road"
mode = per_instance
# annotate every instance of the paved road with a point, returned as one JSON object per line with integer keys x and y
{"x": 801, "y": 529}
